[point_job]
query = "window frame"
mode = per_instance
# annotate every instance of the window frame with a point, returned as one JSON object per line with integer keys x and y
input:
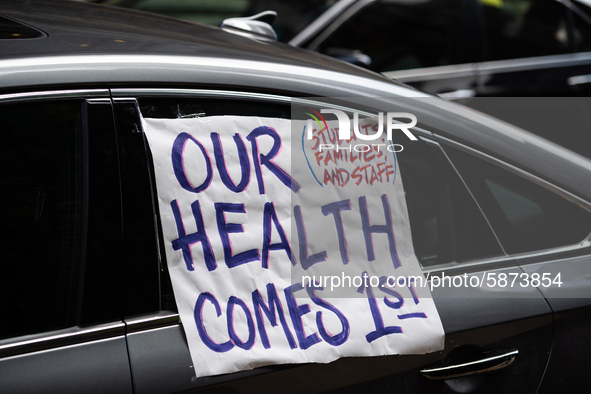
{"x": 78, "y": 333}
{"x": 576, "y": 249}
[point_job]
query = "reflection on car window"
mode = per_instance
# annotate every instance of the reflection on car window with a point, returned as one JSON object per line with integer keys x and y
{"x": 446, "y": 223}
{"x": 581, "y": 28}
{"x": 398, "y": 35}
{"x": 525, "y": 216}
{"x": 525, "y": 28}
{"x": 40, "y": 214}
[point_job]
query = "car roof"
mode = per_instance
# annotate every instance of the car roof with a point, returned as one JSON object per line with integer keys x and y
{"x": 80, "y": 29}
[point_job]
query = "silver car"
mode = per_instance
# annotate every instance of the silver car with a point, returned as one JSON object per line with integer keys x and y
{"x": 86, "y": 295}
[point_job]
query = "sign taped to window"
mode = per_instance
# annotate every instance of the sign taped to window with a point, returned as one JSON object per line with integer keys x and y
{"x": 274, "y": 258}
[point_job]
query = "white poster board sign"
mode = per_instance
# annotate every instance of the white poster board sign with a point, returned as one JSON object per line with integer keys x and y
{"x": 258, "y": 230}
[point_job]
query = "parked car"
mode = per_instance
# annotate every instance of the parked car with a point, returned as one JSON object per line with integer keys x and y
{"x": 458, "y": 49}
{"x": 467, "y": 50}
{"x": 87, "y": 300}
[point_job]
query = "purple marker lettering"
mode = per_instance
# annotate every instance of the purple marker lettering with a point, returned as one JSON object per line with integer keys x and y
{"x": 334, "y": 340}
{"x": 335, "y": 209}
{"x": 225, "y": 229}
{"x": 271, "y": 312}
{"x": 198, "y": 316}
{"x": 184, "y": 241}
{"x": 393, "y": 293}
{"x": 307, "y": 261}
{"x": 178, "y": 163}
{"x": 270, "y": 215}
{"x": 380, "y": 330}
{"x": 369, "y": 230}
{"x": 250, "y": 323}
{"x": 220, "y": 161}
{"x": 260, "y": 159}
{"x": 296, "y": 312}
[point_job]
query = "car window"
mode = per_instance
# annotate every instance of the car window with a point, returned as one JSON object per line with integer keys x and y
{"x": 398, "y": 35}
{"x": 13, "y": 30}
{"x": 40, "y": 214}
{"x": 525, "y": 28}
{"x": 446, "y": 224}
{"x": 525, "y": 216}
{"x": 581, "y": 28}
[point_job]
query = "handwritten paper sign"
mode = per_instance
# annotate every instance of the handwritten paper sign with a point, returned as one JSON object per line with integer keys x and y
{"x": 280, "y": 254}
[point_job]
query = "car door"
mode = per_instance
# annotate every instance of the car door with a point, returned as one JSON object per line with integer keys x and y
{"x": 483, "y": 324}
{"x": 428, "y": 44}
{"x": 62, "y": 328}
{"x": 535, "y": 48}
{"x": 546, "y": 229}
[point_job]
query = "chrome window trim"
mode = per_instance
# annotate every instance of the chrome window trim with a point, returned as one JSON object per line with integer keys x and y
{"x": 78, "y": 335}
{"x": 140, "y": 92}
{"x": 152, "y": 321}
{"x": 431, "y": 73}
{"x": 130, "y": 94}
{"x": 59, "y": 338}
{"x": 55, "y": 95}
{"x": 183, "y": 69}
{"x": 484, "y": 68}
{"x": 586, "y": 243}
{"x": 534, "y": 62}
{"x": 458, "y": 268}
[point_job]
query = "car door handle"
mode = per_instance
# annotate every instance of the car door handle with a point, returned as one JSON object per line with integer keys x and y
{"x": 490, "y": 363}
{"x": 458, "y": 94}
{"x": 579, "y": 80}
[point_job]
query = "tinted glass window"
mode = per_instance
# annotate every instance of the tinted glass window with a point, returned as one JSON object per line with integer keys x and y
{"x": 10, "y": 30}
{"x": 524, "y": 28}
{"x": 525, "y": 216}
{"x": 40, "y": 215}
{"x": 581, "y": 28}
{"x": 446, "y": 223}
{"x": 397, "y": 35}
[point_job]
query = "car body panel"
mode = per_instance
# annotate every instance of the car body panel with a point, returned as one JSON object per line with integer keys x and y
{"x": 95, "y": 367}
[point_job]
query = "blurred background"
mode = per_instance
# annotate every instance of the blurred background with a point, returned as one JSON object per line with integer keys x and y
{"x": 292, "y": 17}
